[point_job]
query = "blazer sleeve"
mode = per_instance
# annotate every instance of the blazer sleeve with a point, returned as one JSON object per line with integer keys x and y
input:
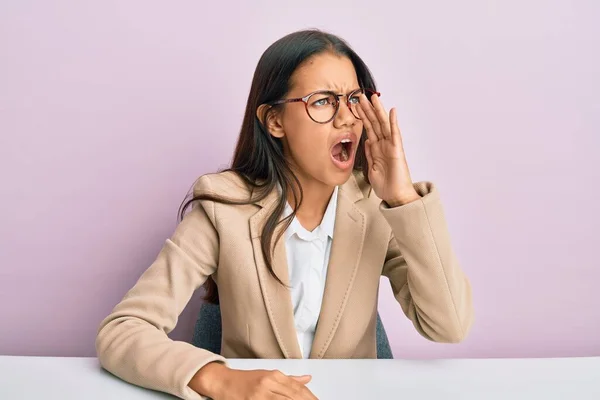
{"x": 423, "y": 270}
{"x": 132, "y": 341}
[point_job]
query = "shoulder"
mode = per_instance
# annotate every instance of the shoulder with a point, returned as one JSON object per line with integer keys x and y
{"x": 227, "y": 184}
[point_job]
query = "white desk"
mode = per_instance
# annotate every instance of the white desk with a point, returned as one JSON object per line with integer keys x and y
{"x": 568, "y": 378}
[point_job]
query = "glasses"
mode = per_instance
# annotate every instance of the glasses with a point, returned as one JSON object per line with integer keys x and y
{"x": 322, "y": 106}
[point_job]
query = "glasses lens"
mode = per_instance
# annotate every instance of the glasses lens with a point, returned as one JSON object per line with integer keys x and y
{"x": 354, "y": 100}
{"x": 321, "y": 106}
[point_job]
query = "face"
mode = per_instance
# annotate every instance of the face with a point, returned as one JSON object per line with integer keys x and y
{"x": 314, "y": 149}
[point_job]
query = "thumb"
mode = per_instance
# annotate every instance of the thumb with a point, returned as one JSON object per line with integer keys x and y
{"x": 302, "y": 378}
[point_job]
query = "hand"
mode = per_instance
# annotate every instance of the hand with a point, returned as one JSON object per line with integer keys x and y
{"x": 219, "y": 382}
{"x": 388, "y": 170}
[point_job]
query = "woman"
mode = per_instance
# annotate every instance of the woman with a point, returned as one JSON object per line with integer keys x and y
{"x": 317, "y": 205}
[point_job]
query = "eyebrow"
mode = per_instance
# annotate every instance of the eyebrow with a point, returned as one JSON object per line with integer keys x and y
{"x": 330, "y": 89}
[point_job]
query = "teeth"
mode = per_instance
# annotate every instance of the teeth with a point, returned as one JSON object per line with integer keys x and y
{"x": 345, "y": 141}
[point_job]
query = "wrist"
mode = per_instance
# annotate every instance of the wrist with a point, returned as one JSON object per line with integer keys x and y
{"x": 208, "y": 381}
{"x": 403, "y": 199}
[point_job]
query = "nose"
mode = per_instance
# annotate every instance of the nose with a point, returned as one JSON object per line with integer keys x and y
{"x": 344, "y": 116}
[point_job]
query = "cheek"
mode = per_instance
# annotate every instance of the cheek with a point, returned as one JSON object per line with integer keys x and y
{"x": 305, "y": 138}
{"x": 308, "y": 140}
{"x": 358, "y": 129}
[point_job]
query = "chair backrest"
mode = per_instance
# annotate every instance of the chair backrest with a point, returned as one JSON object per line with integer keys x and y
{"x": 207, "y": 332}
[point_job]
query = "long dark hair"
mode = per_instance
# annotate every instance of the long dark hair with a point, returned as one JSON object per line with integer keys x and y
{"x": 258, "y": 157}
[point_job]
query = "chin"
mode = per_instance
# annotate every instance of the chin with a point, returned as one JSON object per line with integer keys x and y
{"x": 329, "y": 174}
{"x": 338, "y": 177}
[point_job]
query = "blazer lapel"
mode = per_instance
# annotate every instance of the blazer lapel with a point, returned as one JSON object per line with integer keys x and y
{"x": 277, "y": 298}
{"x": 346, "y": 250}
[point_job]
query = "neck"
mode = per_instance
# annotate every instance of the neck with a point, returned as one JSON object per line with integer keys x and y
{"x": 315, "y": 198}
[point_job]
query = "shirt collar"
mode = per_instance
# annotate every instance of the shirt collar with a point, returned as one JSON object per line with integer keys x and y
{"x": 325, "y": 229}
{"x": 328, "y": 221}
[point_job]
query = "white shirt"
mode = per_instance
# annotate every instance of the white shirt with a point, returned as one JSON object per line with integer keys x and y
{"x": 308, "y": 257}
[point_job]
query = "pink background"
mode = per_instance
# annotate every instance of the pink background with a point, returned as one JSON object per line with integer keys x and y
{"x": 109, "y": 110}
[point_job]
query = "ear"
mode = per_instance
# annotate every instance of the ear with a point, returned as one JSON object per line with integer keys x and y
{"x": 271, "y": 119}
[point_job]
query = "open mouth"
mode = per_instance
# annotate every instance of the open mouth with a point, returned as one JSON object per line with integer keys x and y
{"x": 342, "y": 151}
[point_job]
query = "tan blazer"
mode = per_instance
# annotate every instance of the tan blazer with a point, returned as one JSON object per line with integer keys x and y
{"x": 409, "y": 244}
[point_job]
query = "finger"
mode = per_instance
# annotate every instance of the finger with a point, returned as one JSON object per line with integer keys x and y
{"x": 367, "y": 125}
{"x": 382, "y": 116}
{"x": 298, "y": 384}
{"x": 277, "y": 396}
{"x": 368, "y": 154}
{"x": 304, "y": 379}
{"x": 290, "y": 390}
{"x": 297, "y": 379}
{"x": 368, "y": 109}
{"x": 306, "y": 394}
{"x": 301, "y": 391}
{"x": 279, "y": 388}
{"x": 396, "y": 134}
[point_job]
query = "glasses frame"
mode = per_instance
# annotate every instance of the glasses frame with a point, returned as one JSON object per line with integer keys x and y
{"x": 336, "y": 95}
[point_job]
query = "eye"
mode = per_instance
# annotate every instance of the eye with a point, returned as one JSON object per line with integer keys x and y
{"x": 323, "y": 100}
{"x": 355, "y": 98}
